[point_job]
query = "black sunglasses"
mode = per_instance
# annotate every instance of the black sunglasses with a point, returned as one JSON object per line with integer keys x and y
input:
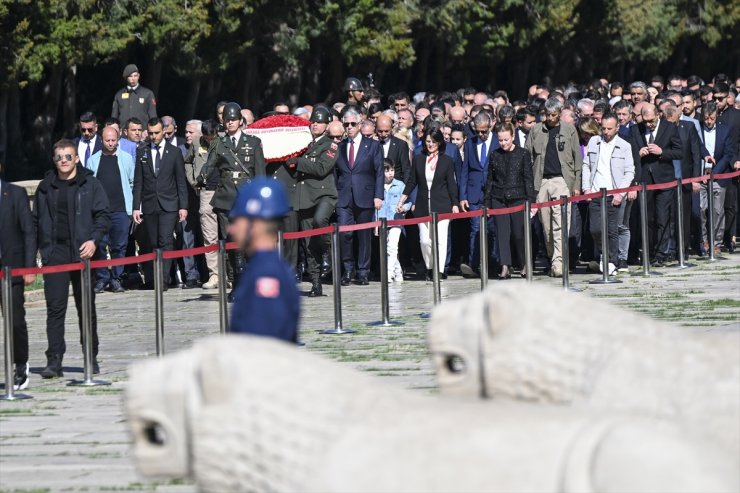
{"x": 350, "y": 124}
{"x": 65, "y": 157}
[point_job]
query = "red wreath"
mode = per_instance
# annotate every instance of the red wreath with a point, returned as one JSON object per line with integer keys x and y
{"x": 277, "y": 121}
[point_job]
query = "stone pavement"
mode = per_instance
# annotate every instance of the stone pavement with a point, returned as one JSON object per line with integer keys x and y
{"x": 73, "y": 439}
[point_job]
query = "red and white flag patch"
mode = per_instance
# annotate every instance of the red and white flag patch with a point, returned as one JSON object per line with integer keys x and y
{"x": 268, "y": 287}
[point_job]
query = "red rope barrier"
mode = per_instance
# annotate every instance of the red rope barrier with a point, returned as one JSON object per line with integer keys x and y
{"x": 507, "y": 210}
{"x": 297, "y": 235}
{"x": 358, "y": 227}
{"x": 104, "y": 264}
{"x": 189, "y": 252}
{"x": 663, "y": 186}
{"x": 410, "y": 222}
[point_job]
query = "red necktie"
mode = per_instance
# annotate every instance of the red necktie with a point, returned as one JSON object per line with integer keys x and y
{"x": 351, "y": 154}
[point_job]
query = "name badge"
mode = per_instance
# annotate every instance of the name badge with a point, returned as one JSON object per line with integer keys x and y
{"x": 235, "y": 174}
{"x": 141, "y": 100}
{"x": 124, "y": 95}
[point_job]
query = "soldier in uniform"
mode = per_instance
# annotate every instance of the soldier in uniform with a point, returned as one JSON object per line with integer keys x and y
{"x": 355, "y": 91}
{"x": 315, "y": 191}
{"x": 233, "y": 159}
{"x": 282, "y": 172}
{"x": 134, "y": 100}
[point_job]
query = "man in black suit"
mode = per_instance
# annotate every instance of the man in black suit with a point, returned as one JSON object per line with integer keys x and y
{"x": 89, "y": 142}
{"x": 17, "y": 250}
{"x": 160, "y": 190}
{"x": 393, "y": 148}
{"x": 170, "y": 135}
{"x": 656, "y": 145}
{"x": 360, "y": 180}
{"x": 729, "y": 117}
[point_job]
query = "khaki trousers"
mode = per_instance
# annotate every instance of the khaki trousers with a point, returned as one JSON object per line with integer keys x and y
{"x": 209, "y": 228}
{"x": 552, "y": 189}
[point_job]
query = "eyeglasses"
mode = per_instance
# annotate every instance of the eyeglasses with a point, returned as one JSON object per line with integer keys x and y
{"x": 336, "y": 137}
{"x": 471, "y": 100}
{"x": 86, "y": 130}
{"x": 719, "y": 98}
{"x": 65, "y": 157}
{"x": 350, "y": 124}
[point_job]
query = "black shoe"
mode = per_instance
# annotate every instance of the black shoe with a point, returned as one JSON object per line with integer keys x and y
{"x": 116, "y": 287}
{"x": 96, "y": 367}
{"x": 100, "y": 287}
{"x": 428, "y": 275}
{"x": 442, "y": 276}
{"x": 190, "y": 284}
{"x": 230, "y": 297}
{"x": 347, "y": 279}
{"x": 21, "y": 377}
{"x": 301, "y": 270}
{"x": 657, "y": 262}
{"x": 147, "y": 286}
{"x": 363, "y": 281}
{"x": 316, "y": 289}
{"x": 325, "y": 264}
{"x": 53, "y": 367}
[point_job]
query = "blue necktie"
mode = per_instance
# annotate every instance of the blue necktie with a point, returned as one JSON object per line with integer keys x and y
{"x": 87, "y": 152}
{"x": 157, "y": 159}
{"x": 483, "y": 155}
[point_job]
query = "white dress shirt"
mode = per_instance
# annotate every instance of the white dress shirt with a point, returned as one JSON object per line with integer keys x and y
{"x": 356, "y": 140}
{"x": 154, "y": 150}
{"x": 386, "y": 147}
{"x": 82, "y": 147}
{"x": 654, "y": 132}
{"x": 603, "y": 174}
{"x": 488, "y": 148}
{"x": 710, "y": 139}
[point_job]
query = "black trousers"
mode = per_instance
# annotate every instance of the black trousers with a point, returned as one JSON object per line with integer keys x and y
{"x": 509, "y": 231}
{"x": 160, "y": 226}
{"x": 356, "y": 215}
{"x": 20, "y": 330}
{"x": 313, "y": 218}
{"x": 56, "y": 290}
{"x": 236, "y": 262}
{"x": 290, "y": 247}
{"x": 660, "y": 205}
{"x": 612, "y": 213}
{"x": 686, "y": 205}
{"x": 731, "y": 199}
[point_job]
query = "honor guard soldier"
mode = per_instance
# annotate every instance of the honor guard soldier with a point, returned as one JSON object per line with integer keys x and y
{"x": 134, "y": 100}
{"x": 266, "y": 300}
{"x": 355, "y": 91}
{"x": 316, "y": 191}
{"x": 233, "y": 160}
{"x": 282, "y": 172}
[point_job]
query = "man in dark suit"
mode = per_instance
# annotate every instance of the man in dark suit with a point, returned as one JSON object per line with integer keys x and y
{"x": 729, "y": 117}
{"x": 17, "y": 250}
{"x": 170, "y": 135}
{"x": 393, "y": 148}
{"x": 160, "y": 190}
{"x": 471, "y": 184}
{"x": 89, "y": 141}
{"x": 360, "y": 190}
{"x": 657, "y": 145}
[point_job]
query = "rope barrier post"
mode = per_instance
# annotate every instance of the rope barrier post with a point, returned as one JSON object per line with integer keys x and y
{"x": 528, "y": 239}
{"x": 604, "y": 244}
{"x": 7, "y": 297}
{"x": 565, "y": 248}
{"x": 336, "y": 275}
{"x": 483, "y": 237}
{"x": 679, "y": 227}
{"x": 87, "y": 343}
{"x": 159, "y": 300}
{"x": 712, "y": 227}
{"x": 223, "y": 310}
{"x": 646, "y": 272}
{"x": 280, "y": 246}
{"x": 384, "y": 301}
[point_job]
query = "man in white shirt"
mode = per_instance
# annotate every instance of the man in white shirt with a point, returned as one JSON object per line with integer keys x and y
{"x": 89, "y": 141}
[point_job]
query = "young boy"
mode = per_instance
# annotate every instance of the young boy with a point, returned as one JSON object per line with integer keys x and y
{"x": 393, "y": 192}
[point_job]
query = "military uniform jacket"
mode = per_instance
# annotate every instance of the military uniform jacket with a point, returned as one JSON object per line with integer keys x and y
{"x": 314, "y": 174}
{"x": 233, "y": 166}
{"x": 139, "y": 103}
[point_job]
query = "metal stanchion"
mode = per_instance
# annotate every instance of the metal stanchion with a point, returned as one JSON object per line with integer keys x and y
{"x": 337, "y": 286}
{"x": 710, "y": 216}
{"x": 604, "y": 244}
{"x": 7, "y": 297}
{"x": 223, "y": 310}
{"x": 384, "y": 301}
{"x": 87, "y": 343}
{"x": 679, "y": 227}
{"x": 646, "y": 272}
{"x": 483, "y": 237}
{"x": 280, "y": 246}
{"x": 159, "y": 300}
{"x": 565, "y": 248}
{"x": 528, "y": 239}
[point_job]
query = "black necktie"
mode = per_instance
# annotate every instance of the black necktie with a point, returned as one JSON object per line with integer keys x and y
{"x": 233, "y": 141}
{"x": 157, "y": 159}
{"x": 651, "y": 140}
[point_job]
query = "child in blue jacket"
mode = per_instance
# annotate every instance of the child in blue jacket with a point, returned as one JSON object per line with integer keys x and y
{"x": 393, "y": 191}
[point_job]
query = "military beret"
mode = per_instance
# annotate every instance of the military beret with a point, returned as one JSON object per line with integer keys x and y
{"x": 130, "y": 69}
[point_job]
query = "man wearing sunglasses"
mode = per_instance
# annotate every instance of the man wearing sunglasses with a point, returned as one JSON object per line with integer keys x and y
{"x": 71, "y": 219}
{"x": 89, "y": 142}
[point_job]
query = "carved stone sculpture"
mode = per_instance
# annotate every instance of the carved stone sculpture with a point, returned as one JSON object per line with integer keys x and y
{"x": 540, "y": 344}
{"x": 242, "y": 413}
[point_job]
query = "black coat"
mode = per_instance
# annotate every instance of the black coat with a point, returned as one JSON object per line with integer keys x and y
{"x": 398, "y": 152}
{"x": 444, "y": 189}
{"x": 652, "y": 168}
{"x": 691, "y": 145}
{"x": 89, "y": 219}
{"x": 510, "y": 176}
{"x": 18, "y": 238}
{"x": 166, "y": 191}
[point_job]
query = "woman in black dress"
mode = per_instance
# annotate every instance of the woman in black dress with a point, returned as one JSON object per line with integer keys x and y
{"x": 433, "y": 176}
{"x": 510, "y": 182}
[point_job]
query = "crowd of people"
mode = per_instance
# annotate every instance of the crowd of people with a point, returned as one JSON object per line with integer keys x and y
{"x": 130, "y": 183}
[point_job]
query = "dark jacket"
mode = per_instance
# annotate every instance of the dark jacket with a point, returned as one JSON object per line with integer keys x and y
{"x": 473, "y": 176}
{"x": 651, "y": 168}
{"x": 139, "y": 103}
{"x": 360, "y": 185}
{"x": 166, "y": 191}
{"x": 18, "y": 238}
{"x": 444, "y": 189}
{"x": 314, "y": 174}
{"x": 398, "y": 152}
{"x": 723, "y": 151}
{"x": 230, "y": 167}
{"x": 510, "y": 176}
{"x": 691, "y": 145}
{"x": 89, "y": 219}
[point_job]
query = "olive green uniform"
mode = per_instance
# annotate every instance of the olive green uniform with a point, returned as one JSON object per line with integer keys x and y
{"x": 281, "y": 172}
